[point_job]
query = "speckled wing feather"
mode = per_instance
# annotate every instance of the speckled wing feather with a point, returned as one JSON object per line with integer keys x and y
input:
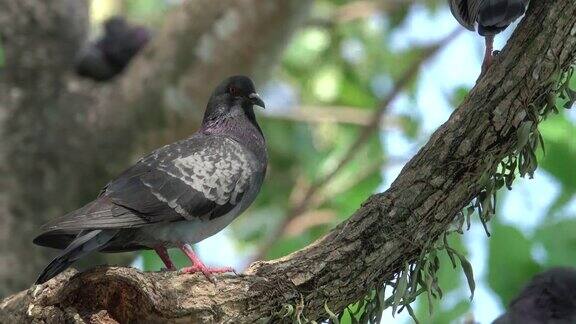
{"x": 198, "y": 177}
{"x": 202, "y": 176}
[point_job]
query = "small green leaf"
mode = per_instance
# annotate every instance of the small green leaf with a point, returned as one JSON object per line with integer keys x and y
{"x": 287, "y": 310}
{"x": 360, "y": 306}
{"x": 467, "y": 267}
{"x": 523, "y": 133}
{"x": 541, "y": 140}
{"x": 411, "y": 312}
{"x": 571, "y": 98}
{"x": 331, "y": 314}
{"x": 416, "y": 274}
{"x": 449, "y": 251}
{"x": 460, "y": 222}
{"x": 499, "y": 183}
{"x": 469, "y": 212}
{"x": 429, "y": 294}
{"x": 436, "y": 287}
{"x": 451, "y": 256}
{"x": 551, "y": 102}
{"x": 485, "y": 226}
{"x": 400, "y": 290}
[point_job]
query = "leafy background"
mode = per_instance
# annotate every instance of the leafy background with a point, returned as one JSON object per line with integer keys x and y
{"x": 333, "y": 74}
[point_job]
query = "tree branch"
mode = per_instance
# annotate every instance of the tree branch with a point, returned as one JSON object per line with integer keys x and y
{"x": 302, "y": 205}
{"x": 334, "y": 114}
{"x": 360, "y": 9}
{"x": 365, "y": 251}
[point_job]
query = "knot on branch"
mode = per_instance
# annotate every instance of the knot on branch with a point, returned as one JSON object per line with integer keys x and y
{"x": 102, "y": 295}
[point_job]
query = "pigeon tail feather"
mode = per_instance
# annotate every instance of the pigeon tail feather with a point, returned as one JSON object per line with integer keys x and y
{"x": 81, "y": 246}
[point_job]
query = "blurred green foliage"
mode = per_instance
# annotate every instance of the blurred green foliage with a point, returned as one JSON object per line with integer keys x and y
{"x": 560, "y": 146}
{"x": 146, "y": 11}
{"x": 321, "y": 70}
{"x": 510, "y": 262}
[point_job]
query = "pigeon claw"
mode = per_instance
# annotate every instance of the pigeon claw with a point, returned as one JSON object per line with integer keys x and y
{"x": 207, "y": 271}
{"x": 198, "y": 266}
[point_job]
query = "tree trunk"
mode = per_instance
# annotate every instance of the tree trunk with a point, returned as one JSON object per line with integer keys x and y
{"x": 63, "y": 138}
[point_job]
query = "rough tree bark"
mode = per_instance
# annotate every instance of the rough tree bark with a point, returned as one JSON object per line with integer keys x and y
{"x": 366, "y": 250}
{"x": 62, "y": 137}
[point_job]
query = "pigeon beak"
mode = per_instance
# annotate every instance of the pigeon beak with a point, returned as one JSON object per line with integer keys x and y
{"x": 256, "y": 100}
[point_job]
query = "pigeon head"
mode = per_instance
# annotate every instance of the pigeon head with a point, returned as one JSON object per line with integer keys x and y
{"x": 234, "y": 96}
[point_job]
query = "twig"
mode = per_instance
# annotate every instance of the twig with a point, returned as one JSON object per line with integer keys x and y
{"x": 329, "y": 192}
{"x": 365, "y": 134}
{"x": 333, "y": 114}
{"x": 359, "y": 9}
{"x": 369, "y": 129}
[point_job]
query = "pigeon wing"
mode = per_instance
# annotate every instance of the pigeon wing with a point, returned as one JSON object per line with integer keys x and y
{"x": 198, "y": 177}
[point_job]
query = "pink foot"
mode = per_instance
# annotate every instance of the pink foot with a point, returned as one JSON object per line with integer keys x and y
{"x": 488, "y": 55}
{"x": 198, "y": 266}
{"x": 163, "y": 254}
{"x": 208, "y": 272}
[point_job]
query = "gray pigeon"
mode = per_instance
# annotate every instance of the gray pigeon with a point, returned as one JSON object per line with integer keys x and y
{"x": 178, "y": 195}
{"x": 108, "y": 56}
{"x": 492, "y": 17}
{"x": 550, "y": 298}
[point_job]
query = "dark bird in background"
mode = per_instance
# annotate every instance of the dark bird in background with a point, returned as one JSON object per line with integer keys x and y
{"x": 111, "y": 53}
{"x": 177, "y": 195}
{"x": 550, "y": 298}
{"x": 492, "y": 17}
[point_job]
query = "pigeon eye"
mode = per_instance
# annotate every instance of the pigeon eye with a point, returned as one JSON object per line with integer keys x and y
{"x": 234, "y": 91}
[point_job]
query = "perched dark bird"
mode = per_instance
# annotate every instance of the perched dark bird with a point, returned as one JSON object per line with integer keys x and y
{"x": 111, "y": 53}
{"x": 177, "y": 195}
{"x": 492, "y": 17}
{"x": 550, "y": 298}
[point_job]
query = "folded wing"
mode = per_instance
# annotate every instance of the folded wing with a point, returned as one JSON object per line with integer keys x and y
{"x": 200, "y": 177}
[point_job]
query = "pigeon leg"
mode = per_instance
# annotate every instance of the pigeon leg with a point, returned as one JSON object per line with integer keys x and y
{"x": 163, "y": 254}
{"x": 488, "y": 56}
{"x": 198, "y": 266}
